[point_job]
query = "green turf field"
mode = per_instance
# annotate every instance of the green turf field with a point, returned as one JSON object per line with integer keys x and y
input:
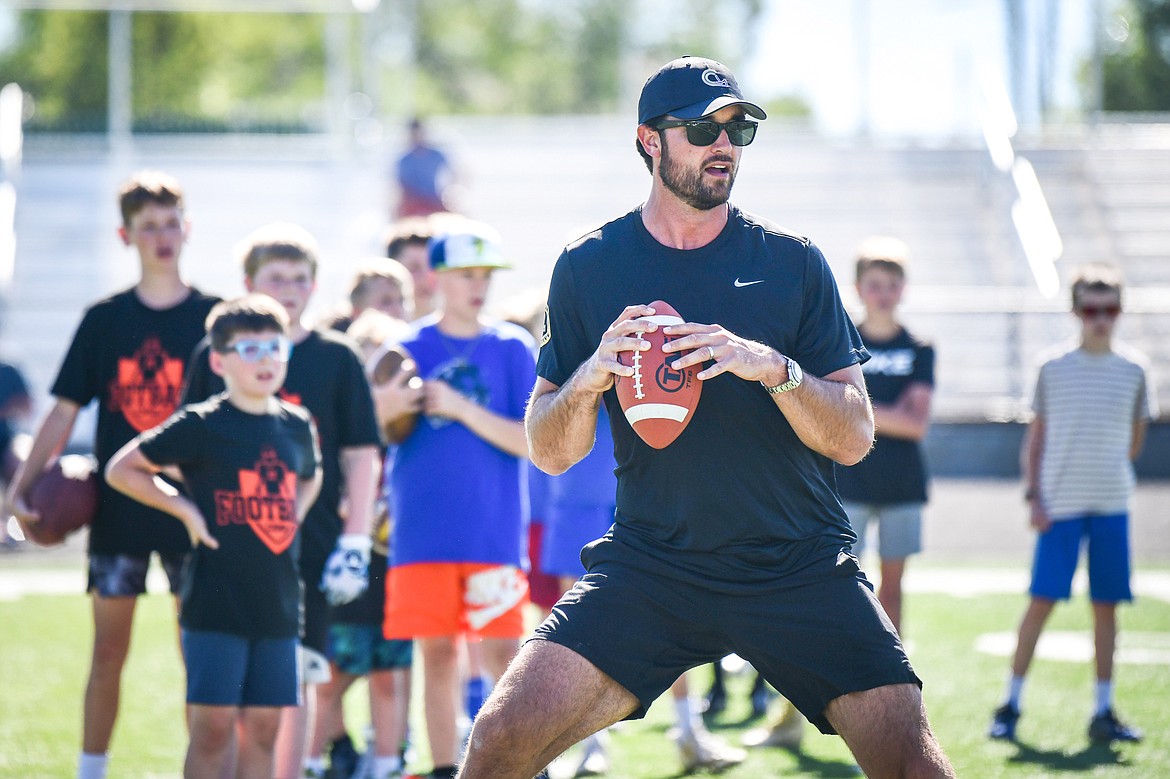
{"x": 45, "y": 640}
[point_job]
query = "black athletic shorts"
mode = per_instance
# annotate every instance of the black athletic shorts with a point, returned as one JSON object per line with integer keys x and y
{"x": 817, "y": 638}
{"x": 317, "y": 611}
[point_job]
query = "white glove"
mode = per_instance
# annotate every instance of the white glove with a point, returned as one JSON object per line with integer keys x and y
{"x": 347, "y": 571}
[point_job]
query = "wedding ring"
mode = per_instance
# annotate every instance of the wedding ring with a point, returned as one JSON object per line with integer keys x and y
{"x": 711, "y": 352}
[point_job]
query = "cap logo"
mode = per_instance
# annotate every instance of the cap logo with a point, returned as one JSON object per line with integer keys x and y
{"x": 712, "y": 79}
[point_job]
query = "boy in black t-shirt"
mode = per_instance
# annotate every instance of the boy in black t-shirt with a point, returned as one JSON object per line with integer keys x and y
{"x": 325, "y": 376}
{"x": 888, "y": 487}
{"x": 129, "y": 354}
{"x": 251, "y": 468}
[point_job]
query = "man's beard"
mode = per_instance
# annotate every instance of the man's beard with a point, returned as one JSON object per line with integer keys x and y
{"x": 689, "y": 187}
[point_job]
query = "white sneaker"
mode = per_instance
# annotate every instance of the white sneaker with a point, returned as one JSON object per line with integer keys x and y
{"x": 703, "y": 749}
{"x": 786, "y": 731}
{"x": 594, "y": 761}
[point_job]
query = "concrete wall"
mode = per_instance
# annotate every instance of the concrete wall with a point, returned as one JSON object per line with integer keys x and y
{"x": 992, "y": 450}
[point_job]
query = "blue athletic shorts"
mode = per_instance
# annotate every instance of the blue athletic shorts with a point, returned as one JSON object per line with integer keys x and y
{"x": 899, "y": 527}
{"x": 124, "y": 576}
{"x": 358, "y": 649}
{"x": 229, "y": 670}
{"x": 1058, "y": 549}
{"x": 813, "y": 641}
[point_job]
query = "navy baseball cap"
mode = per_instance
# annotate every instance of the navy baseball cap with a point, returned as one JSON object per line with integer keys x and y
{"x": 691, "y": 87}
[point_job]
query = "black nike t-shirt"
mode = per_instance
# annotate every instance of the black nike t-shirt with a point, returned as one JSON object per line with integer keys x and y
{"x": 242, "y": 470}
{"x": 325, "y": 376}
{"x": 894, "y": 471}
{"x": 132, "y": 358}
{"x": 737, "y": 497}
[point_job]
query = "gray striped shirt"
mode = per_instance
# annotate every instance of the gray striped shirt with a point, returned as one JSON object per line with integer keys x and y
{"x": 1089, "y": 404}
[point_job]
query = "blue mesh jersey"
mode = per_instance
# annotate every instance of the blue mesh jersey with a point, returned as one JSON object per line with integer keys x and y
{"x": 454, "y": 496}
{"x": 737, "y": 498}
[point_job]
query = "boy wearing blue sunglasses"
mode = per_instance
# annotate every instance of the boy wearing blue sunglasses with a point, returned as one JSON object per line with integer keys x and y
{"x": 251, "y": 467}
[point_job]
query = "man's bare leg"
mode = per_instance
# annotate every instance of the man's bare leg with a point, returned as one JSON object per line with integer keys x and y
{"x": 549, "y": 699}
{"x": 887, "y": 730}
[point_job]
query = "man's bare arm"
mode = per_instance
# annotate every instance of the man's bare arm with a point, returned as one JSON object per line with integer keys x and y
{"x": 831, "y": 415}
{"x": 561, "y": 422}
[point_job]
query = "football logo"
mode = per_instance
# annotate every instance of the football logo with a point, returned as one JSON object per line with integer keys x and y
{"x": 147, "y": 386}
{"x": 266, "y": 501}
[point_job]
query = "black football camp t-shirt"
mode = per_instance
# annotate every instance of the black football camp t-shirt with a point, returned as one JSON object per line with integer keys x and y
{"x": 737, "y": 497}
{"x": 325, "y": 376}
{"x": 132, "y": 359}
{"x": 894, "y": 471}
{"x": 242, "y": 470}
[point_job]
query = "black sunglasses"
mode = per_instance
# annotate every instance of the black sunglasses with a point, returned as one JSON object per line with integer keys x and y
{"x": 1092, "y": 312}
{"x": 704, "y": 132}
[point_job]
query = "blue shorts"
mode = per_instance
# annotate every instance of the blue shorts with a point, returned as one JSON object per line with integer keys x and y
{"x": 229, "y": 670}
{"x": 1058, "y": 550}
{"x": 899, "y": 527}
{"x": 359, "y": 649}
{"x": 124, "y": 576}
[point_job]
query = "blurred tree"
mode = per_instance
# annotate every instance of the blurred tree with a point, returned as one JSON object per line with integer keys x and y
{"x": 1136, "y": 72}
{"x": 248, "y": 71}
{"x": 60, "y": 59}
{"x": 525, "y": 57}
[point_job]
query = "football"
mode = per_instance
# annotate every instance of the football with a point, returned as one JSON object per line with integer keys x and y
{"x": 657, "y": 400}
{"x": 396, "y": 360}
{"x": 66, "y": 497}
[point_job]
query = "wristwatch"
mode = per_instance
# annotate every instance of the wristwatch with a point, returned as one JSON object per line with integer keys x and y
{"x": 795, "y": 377}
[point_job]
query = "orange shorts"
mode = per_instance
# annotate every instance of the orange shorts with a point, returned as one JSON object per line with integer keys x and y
{"x": 481, "y": 600}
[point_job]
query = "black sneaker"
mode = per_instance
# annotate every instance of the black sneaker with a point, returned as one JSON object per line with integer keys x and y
{"x": 1105, "y": 728}
{"x": 343, "y": 758}
{"x": 1003, "y": 723}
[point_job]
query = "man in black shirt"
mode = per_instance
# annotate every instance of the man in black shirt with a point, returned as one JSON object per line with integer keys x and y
{"x": 730, "y": 539}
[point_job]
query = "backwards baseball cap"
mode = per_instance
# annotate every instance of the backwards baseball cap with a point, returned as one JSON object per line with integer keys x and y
{"x": 470, "y": 245}
{"x": 691, "y": 87}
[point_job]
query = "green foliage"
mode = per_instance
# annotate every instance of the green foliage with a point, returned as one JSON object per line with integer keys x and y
{"x": 190, "y": 71}
{"x": 262, "y": 70}
{"x": 1137, "y": 74}
{"x": 249, "y": 71}
{"x": 61, "y": 60}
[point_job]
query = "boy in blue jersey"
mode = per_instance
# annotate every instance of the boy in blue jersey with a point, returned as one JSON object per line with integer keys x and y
{"x": 251, "y": 469}
{"x": 458, "y": 485}
{"x": 731, "y": 539}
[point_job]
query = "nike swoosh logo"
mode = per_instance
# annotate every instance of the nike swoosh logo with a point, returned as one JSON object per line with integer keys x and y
{"x": 739, "y": 283}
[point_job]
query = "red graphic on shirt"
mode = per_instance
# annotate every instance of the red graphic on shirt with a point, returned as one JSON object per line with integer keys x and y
{"x": 147, "y": 387}
{"x": 266, "y": 501}
{"x": 289, "y": 397}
